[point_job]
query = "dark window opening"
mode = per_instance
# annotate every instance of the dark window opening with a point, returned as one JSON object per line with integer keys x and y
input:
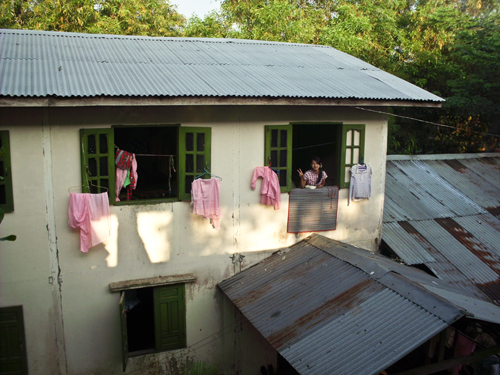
{"x": 156, "y": 154}
{"x": 140, "y": 319}
{"x": 316, "y": 140}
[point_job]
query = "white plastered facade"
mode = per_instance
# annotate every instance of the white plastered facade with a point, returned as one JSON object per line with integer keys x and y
{"x": 72, "y": 324}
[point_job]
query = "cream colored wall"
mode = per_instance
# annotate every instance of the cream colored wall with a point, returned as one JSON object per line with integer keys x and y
{"x": 153, "y": 240}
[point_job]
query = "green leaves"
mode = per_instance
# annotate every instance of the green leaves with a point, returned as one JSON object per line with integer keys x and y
{"x": 132, "y": 17}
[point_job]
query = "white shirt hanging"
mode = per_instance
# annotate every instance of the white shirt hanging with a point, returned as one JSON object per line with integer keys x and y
{"x": 361, "y": 182}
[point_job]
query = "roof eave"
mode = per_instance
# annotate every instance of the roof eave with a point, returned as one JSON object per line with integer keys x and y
{"x": 9, "y": 101}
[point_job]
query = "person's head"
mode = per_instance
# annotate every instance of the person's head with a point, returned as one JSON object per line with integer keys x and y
{"x": 317, "y": 166}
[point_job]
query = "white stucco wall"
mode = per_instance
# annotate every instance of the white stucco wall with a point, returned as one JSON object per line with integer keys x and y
{"x": 74, "y": 327}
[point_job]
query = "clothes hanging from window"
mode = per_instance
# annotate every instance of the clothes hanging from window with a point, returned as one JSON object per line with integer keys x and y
{"x": 123, "y": 159}
{"x": 270, "y": 190}
{"x": 122, "y": 174}
{"x": 90, "y": 213}
{"x": 205, "y": 199}
{"x": 361, "y": 182}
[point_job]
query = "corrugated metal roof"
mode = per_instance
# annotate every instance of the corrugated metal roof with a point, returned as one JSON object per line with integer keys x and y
{"x": 42, "y": 63}
{"x": 449, "y": 221}
{"x": 324, "y": 305}
{"x": 478, "y": 309}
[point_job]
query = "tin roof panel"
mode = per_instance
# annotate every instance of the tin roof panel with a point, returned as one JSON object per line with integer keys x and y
{"x": 43, "y": 63}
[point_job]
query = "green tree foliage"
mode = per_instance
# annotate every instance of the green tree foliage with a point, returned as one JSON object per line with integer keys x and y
{"x": 131, "y": 17}
{"x": 448, "y": 47}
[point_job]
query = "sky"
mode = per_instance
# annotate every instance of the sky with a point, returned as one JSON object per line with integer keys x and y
{"x": 200, "y": 7}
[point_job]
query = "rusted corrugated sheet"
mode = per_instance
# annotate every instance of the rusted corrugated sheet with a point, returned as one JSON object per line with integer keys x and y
{"x": 408, "y": 248}
{"x": 41, "y": 63}
{"x": 325, "y": 306}
{"x": 451, "y": 221}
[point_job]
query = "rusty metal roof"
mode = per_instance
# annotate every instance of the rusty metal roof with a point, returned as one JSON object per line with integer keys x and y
{"x": 66, "y": 65}
{"x": 323, "y": 305}
{"x": 444, "y": 212}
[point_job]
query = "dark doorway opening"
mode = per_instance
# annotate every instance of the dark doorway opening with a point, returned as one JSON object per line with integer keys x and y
{"x": 140, "y": 320}
{"x": 320, "y": 140}
{"x": 156, "y": 153}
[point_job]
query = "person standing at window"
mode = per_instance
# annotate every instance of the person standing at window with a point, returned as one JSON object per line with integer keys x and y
{"x": 313, "y": 177}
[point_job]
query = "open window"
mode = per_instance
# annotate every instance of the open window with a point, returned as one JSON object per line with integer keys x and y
{"x": 168, "y": 159}
{"x": 153, "y": 319}
{"x": 290, "y": 147}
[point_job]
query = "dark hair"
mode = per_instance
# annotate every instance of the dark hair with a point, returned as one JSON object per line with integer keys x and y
{"x": 320, "y": 172}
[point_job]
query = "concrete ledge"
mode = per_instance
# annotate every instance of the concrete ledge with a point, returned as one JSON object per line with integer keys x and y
{"x": 151, "y": 281}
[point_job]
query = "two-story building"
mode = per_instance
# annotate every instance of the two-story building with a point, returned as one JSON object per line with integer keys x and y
{"x": 146, "y": 297}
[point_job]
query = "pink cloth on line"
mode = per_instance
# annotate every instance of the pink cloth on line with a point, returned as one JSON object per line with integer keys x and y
{"x": 205, "y": 199}
{"x": 463, "y": 348}
{"x": 90, "y": 213}
{"x": 271, "y": 190}
{"x": 121, "y": 174}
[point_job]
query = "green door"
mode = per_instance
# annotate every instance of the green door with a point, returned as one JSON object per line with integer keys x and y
{"x": 13, "y": 360}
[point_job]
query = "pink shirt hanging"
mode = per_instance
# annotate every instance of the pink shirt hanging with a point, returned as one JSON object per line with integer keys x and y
{"x": 90, "y": 213}
{"x": 271, "y": 190}
{"x": 205, "y": 199}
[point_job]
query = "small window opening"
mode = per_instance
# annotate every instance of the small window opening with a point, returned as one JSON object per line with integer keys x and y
{"x": 155, "y": 148}
{"x": 315, "y": 140}
{"x": 140, "y": 319}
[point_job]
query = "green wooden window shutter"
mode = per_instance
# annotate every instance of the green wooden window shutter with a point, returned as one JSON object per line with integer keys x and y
{"x": 6, "y": 195}
{"x": 123, "y": 321}
{"x": 170, "y": 317}
{"x": 13, "y": 359}
{"x": 194, "y": 155}
{"x": 353, "y": 149}
{"x": 98, "y": 161}
{"x": 278, "y": 152}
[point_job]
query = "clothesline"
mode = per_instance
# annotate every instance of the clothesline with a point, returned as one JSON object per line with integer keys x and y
{"x": 154, "y": 155}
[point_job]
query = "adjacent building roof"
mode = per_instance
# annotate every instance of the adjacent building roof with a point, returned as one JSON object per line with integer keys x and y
{"x": 71, "y": 65}
{"x": 330, "y": 308}
{"x": 444, "y": 212}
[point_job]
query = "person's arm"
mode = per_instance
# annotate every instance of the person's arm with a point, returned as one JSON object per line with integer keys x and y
{"x": 302, "y": 181}
{"x": 323, "y": 181}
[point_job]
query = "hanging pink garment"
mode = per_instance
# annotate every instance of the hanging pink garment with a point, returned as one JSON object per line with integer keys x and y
{"x": 121, "y": 174}
{"x": 90, "y": 213}
{"x": 205, "y": 199}
{"x": 463, "y": 348}
{"x": 271, "y": 190}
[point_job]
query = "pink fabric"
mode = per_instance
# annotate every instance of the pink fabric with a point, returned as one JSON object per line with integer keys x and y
{"x": 121, "y": 174}
{"x": 270, "y": 191}
{"x": 463, "y": 348}
{"x": 205, "y": 199}
{"x": 90, "y": 213}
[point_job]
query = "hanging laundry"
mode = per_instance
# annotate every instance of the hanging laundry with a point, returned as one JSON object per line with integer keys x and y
{"x": 361, "y": 182}
{"x": 90, "y": 213}
{"x": 125, "y": 173}
{"x": 270, "y": 190}
{"x": 205, "y": 199}
{"x": 123, "y": 159}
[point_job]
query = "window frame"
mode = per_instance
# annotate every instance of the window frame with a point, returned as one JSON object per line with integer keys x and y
{"x": 84, "y": 159}
{"x": 159, "y": 317}
{"x": 8, "y": 206}
{"x": 180, "y": 161}
{"x": 343, "y": 165}
{"x": 268, "y": 148}
{"x": 182, "y": 157}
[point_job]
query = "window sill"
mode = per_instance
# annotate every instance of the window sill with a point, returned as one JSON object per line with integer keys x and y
{"x": 146, "y": 202}
{"x": 141, "y": 352}
{"x": 152, "y": 281}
